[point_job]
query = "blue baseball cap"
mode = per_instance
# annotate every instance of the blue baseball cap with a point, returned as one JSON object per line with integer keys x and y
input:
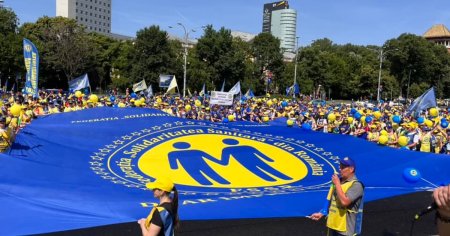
{"x": 347, "y": 161}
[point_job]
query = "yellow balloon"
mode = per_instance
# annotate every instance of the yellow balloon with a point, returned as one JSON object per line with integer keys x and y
{"x": 187, "y": 107}
{"x": 93, "y": 98}
{"x": 290, "y": 122}
{"x": 265, "y": 118}
{"x": 15, "y": 109}
{"x": 428, "y": 123}
{"x": 231, "y": 118}
{"x": 198, "y": 103}
{"x": 78, "y": 94}
{"x": 384, "y": 132}
{"x": 269, "y": 103}
{"x": 142, "y": 100}
{"x": 433, "y": 112}
{"x": 377, "y": 115}
{"x": 158, "y": 100}
{"x": 331, "y": 117}
{"x": 121, "y": 104}
{"x": 350, "y": 120}
{"x": 137, "y": 103}
{"x": 383, "y": 139}
{"x": 403, "y": 141}
{"x": 363, "y": 119}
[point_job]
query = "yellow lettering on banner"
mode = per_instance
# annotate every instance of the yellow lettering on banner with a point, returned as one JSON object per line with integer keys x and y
{"x": 316, "y": 168}
{"x": 34, "y": 71}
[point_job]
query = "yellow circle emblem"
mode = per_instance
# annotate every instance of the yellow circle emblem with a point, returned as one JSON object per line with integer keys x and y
{"x": 220, "y": 161}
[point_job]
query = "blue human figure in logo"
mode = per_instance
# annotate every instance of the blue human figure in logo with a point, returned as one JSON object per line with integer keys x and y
{"x": 193, "y": 161}
{"x": 251, "y": 158}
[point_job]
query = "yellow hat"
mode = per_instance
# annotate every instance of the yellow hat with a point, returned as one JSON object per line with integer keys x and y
{"x": 162, "y": 183}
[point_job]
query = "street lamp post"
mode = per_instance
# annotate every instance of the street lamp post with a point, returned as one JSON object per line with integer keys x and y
{"x": 409, "y": 81}
{"x": 186, "y": 35}
{"x": 382, "y": 53}
{"x": 185, "y": 46}
{"x": 295, "y": 67}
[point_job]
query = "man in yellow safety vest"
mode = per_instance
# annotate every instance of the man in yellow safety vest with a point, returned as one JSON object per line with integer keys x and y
{"x": 344, "y": 202}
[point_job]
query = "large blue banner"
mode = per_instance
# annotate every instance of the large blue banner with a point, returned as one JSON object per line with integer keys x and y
{"x": 89, "y": 168}
{"x": 31, "y": 57}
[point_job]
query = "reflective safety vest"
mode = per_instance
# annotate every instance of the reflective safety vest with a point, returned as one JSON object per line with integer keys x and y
{"x": 337, "y": 216}
{"x": 166, "y": 219}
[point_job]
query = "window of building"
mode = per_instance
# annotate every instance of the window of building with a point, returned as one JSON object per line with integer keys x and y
{"x": 86, "y": 13}
{"x": 76, "y": 10}
{"x": 108, "y": 31}
{"x": 76, "y": 17}
{"x": 95, "y": 8}
{"x": 95, "y": 28}
{"x": 81, "y": 11}
{"x": 81, "y": 18}
{"x": 90, "y": 13}
{"x": 109, "y": 6}
{"x": 81, "y": 4}
{"x": 91, "y": 7}
{"x": 109, "y": 18}
{"x": 104, "y": 17}
{"x": 90, "y": 27}
{"x": 85, "y": 19}
{"x": 76, "y": 3}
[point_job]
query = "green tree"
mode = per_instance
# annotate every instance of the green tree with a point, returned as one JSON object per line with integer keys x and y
{"x": 268, "y": 58}
{"x": 220, "y": 57}
{"x": 428, "y": 62}
{"x": 11, "y": 59}
{"x": 64, "y": 48}
{"x": 152, "y": 56}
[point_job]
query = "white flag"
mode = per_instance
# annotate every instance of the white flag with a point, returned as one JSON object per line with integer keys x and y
{"x": 139, "y": 86}
{"x": 236, "y": 88}
{"x": 173, "y": 84}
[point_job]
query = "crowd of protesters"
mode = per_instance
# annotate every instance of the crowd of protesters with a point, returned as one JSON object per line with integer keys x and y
{"x": 386, "y": 123}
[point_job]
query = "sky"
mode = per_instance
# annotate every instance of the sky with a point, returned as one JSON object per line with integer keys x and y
{"x": 360, "y": 22}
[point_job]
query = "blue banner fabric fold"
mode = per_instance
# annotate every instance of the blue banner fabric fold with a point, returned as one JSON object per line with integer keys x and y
{"x": 31, "y": 57}
{"x": 89, "y": 168}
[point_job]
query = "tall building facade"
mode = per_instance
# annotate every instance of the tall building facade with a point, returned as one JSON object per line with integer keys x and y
{"x": 95, "y": 15}
{"x": 281, "y": 22}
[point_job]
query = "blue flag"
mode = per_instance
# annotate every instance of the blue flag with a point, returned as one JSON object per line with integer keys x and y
{"x": 425, "y": 101}
{"x": 249, "y": 94}
{"x": 296, "y": 89}
{"x": 31, "y": 57}
{"x": 89, "y": 168}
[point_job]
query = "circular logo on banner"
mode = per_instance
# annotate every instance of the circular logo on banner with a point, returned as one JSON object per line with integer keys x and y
{"x": 207, "y": 158}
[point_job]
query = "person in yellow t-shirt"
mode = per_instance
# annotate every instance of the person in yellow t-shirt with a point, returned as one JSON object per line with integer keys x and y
{"x": 344, "y": 202}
